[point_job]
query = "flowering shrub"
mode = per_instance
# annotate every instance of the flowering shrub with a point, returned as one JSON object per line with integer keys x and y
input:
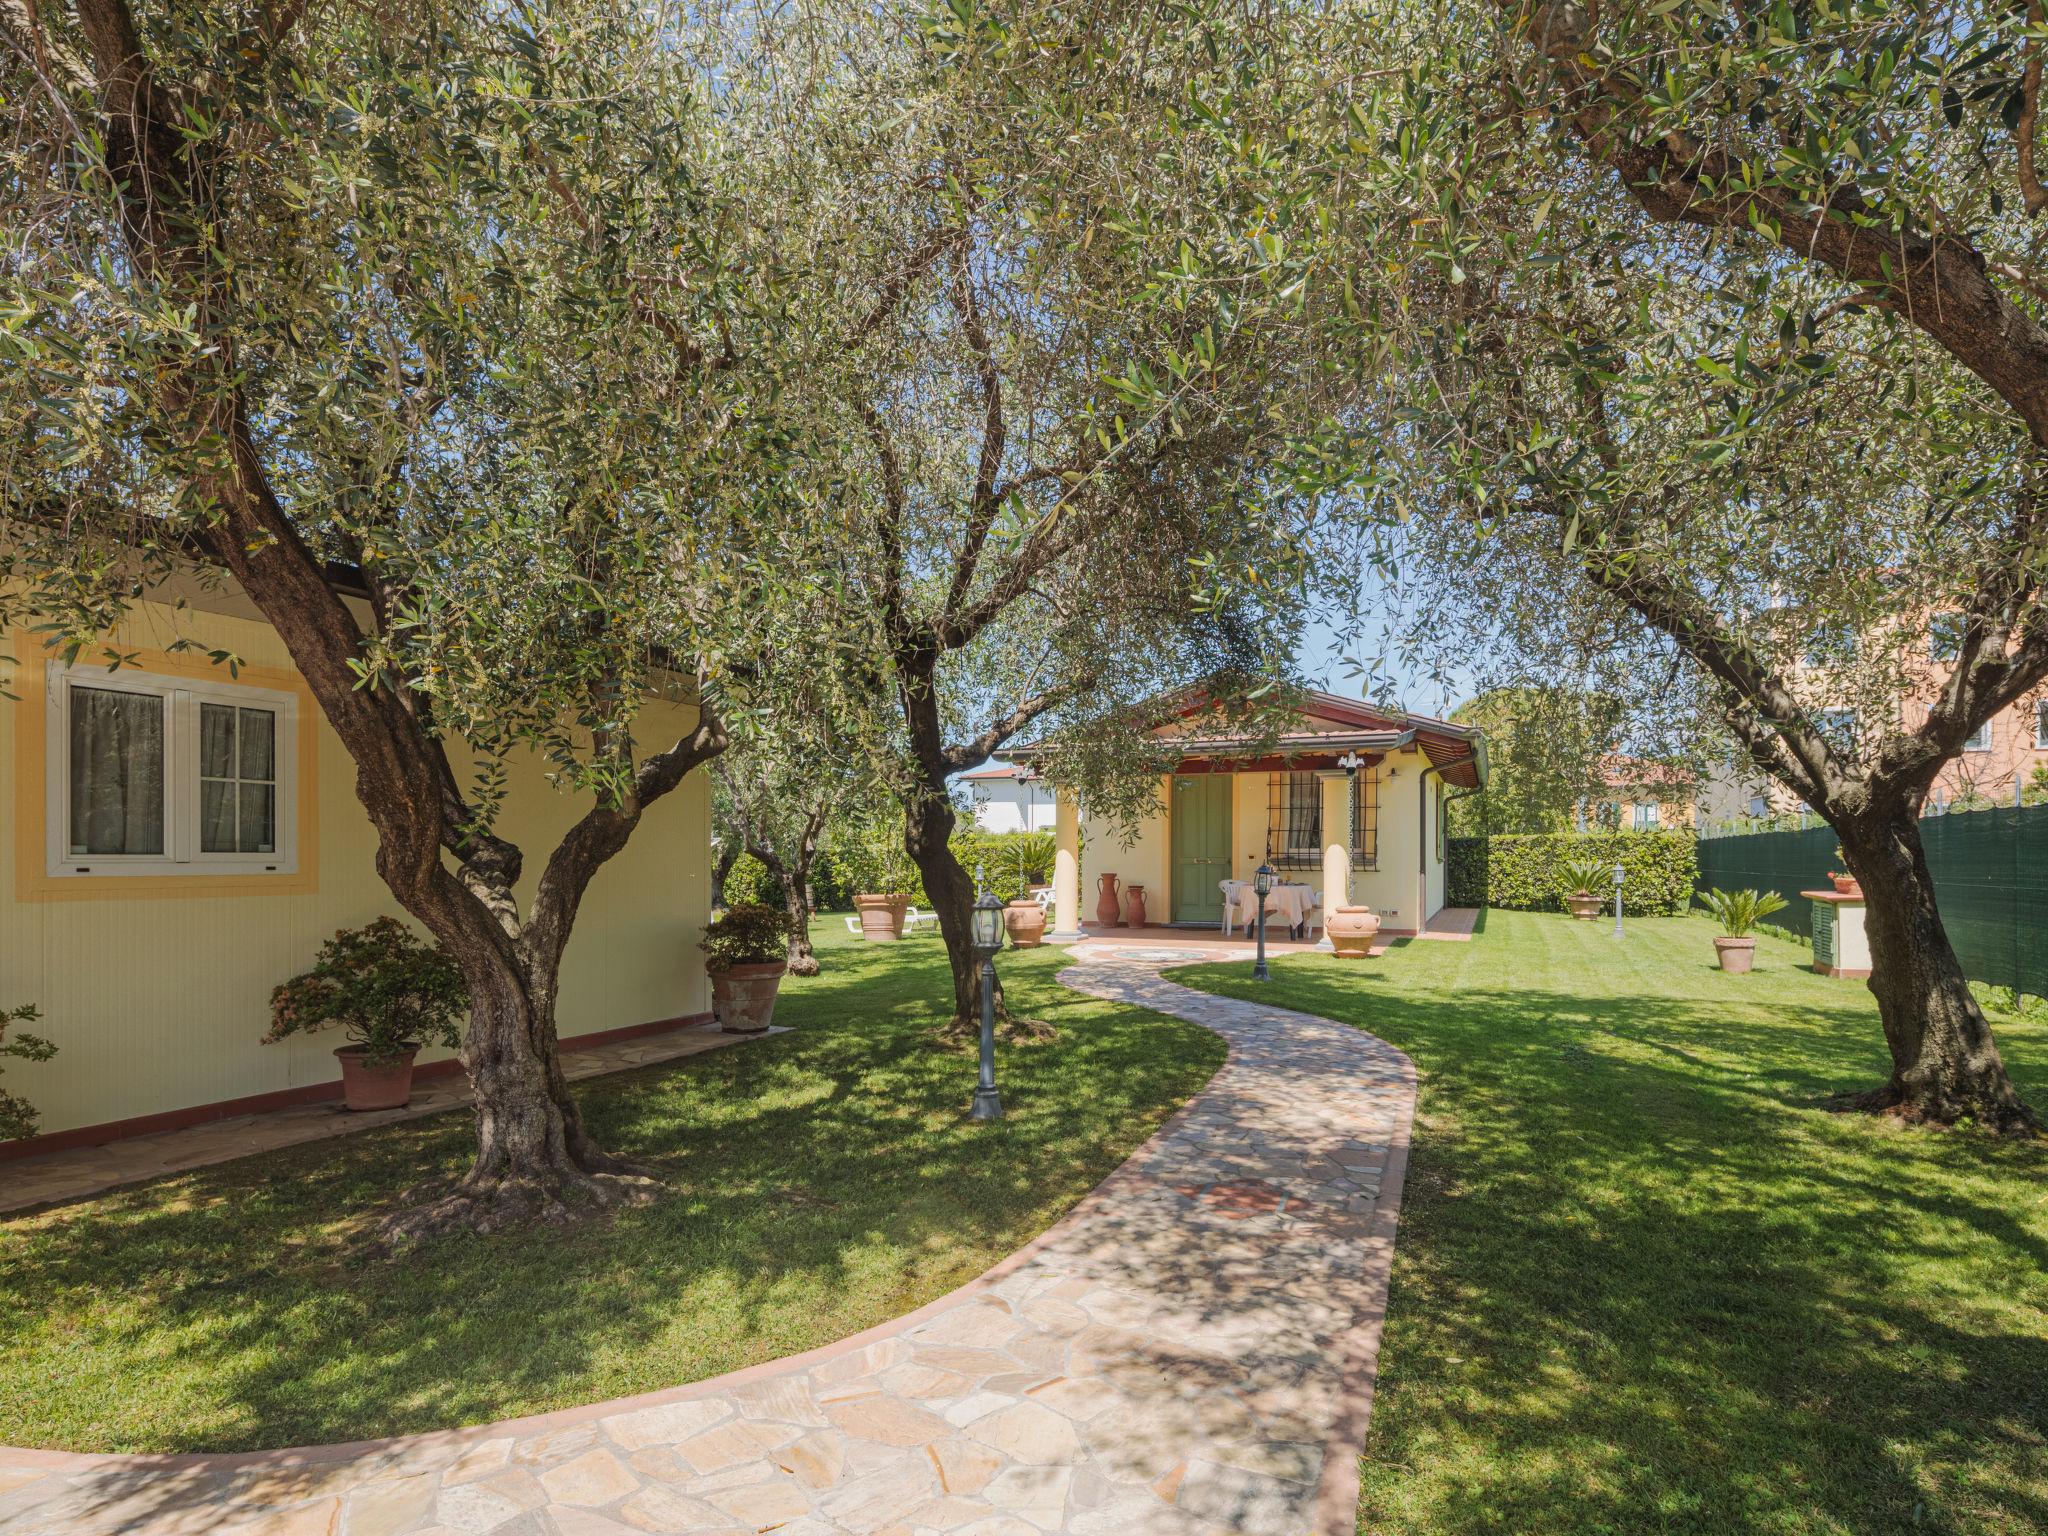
{"x": 17, "y": 1116}
{"x": 751, "y": 933}
{"x": 388, "y": 989}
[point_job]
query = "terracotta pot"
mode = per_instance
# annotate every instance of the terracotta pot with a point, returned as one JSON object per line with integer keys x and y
{"x": 1736, "y": 955}
{"x": 1134, "y": 906}
{"x": 1351, "y": 931}
{"x": 1107, "y": 909}
{"x": 1845, "y": 885}
{"x": 743, "y": 996}
{"x": 881, "y": 917}
{"x": 385, "y": 1084}
{"x": 1583, "y": 905}
{"x": 1025, "y": 921}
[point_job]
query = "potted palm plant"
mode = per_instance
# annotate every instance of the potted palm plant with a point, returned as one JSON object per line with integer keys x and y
{"x": 1582, "y": 878}
{"x": 392, "y": 993}
{"x": 1738, "y": 913}
{"x": 746, "y": 950}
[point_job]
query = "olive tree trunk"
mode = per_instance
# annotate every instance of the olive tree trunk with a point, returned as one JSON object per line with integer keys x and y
{"x": 1945, "y": 1064}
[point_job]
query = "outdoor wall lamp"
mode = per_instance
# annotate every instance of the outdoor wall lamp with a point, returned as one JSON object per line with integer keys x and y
{"x": 1262, "y": 887}
{"x": 986, "y": 928}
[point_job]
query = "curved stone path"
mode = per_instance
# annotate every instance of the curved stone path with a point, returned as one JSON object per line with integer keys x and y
{"x": 1190, "y": 1351}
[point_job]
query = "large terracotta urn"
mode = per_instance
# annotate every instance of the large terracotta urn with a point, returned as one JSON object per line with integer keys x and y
{"x": 1583, "y": 905}
{"x": 1107, "y": 908}
{"x": 367, "y": 1085}
{"x": 1736, "y": 955}
{"x": 743, "y": 996}
{"x": 1025, "y": 921}
{"x": 1134, "y": 905}
{"x": 881, "y": 917}
{"x": 1351, "y": 931}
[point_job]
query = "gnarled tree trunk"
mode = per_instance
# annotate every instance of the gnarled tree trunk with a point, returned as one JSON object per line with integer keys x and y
{"x": 1945, "y": 1064}
{"x": 928, "y": 822}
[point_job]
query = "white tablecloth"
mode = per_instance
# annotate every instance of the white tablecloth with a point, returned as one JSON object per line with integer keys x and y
{"x": 1288, "y": 905}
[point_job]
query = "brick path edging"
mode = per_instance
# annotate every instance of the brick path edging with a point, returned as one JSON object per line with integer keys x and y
{"x": 1351, "y": 1348}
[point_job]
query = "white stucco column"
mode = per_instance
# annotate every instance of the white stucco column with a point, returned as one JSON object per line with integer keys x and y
{"x": 1336, "y": 847}
{"x": 1066, "y": 870}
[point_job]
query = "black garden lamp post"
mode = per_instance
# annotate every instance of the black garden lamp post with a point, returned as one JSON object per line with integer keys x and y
{"x": 988, "y": 938}
{"x": 1262, "y": 887}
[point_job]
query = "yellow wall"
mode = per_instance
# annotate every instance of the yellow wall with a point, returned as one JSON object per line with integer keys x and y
{"x": 156, "y": 993}
{"x": 1144, "y": 859}
{"x": 1394, "y": 889}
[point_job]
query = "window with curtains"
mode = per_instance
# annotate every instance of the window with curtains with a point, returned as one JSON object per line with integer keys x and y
{"x": 1294, "y": 821}
{"x": 162, "y": 775}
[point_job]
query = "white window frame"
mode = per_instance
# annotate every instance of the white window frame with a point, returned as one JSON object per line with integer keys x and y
{"x": 2041, "y": 725}
{"x": 182, "y": 697}
{"x": 1979, "y": 740}
{"x": 1646, "y": 816}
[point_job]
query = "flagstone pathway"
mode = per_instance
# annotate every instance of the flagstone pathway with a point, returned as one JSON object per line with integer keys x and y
{"x": 1190, "y": 1351}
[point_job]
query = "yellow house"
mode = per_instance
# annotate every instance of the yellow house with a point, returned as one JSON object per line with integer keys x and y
{"x": 180, "y": 839}
{"x": 1348, "y": 800}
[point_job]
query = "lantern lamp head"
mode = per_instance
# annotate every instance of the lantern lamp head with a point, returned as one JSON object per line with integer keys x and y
{"x": 1617, "y": 875}
{"x": 988, "y": 925}
{"x": 1262, "y": 880}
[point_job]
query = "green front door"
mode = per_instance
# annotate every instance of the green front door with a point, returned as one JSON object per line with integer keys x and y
{"x": 1201, "y": 845}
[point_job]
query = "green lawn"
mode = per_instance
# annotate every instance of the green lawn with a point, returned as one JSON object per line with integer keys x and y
{"x": 1643, "y": 1284}
{"x": 819, "y": 1182}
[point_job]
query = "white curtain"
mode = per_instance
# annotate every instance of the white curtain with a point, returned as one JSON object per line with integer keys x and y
{"x": 117, "y": 772}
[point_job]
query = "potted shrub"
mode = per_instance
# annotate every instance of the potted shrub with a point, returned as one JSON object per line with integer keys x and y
{"x": 1845, "y": 884}
{"x": 391, "y": 991}
{"x": 1582, "y": 878}
{"x": 882, "y": 910}
{"x": 1738, "y": 913}
{"x": 1351, "y": 931}
{"x": 746, "y": 950}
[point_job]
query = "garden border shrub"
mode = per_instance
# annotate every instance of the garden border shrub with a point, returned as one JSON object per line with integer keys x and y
{"x": 1519, "y": 871}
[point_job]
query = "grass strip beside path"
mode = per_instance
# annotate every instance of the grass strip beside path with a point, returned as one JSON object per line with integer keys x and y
{"x": 819, "y": 1182}
{"x": 1644, "y": 1285}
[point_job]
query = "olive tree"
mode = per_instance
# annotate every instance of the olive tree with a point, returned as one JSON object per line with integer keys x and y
{"x": 467, "y": 300}
{"x": 1712, "y": 334}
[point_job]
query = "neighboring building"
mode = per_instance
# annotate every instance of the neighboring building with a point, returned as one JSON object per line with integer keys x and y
{"x": 182, "y": 840}
{"x": 1638, "y": 795}
{"x": 2005, "y": 755}
{"x": 1009, "y": 798}
{"x": 1347, "y": 798}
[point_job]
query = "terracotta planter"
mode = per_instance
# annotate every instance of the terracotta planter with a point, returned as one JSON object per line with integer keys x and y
{"x": 1107, "y": 909}
{"x": 1351, "y": 931}
{"x": 1736, "y": 955}
{"x": 1025, "y": 921}
{"x": 881, "y": 917}
{"x": 1134, "y": 906}
{"x": 1583, "y": 905}
{"x": 743, "y": 996}
{"x": 385, "y": 1084}
{"x": 1845, "y": 885}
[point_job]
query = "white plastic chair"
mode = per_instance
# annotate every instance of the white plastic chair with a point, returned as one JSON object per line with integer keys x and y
{"x": 914, "y": 920}
{"x": 853, "y": 924}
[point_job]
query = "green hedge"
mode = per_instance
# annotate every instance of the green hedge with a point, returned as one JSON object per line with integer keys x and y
{"x": 1006, "y": 859}
{"x": 1520, "y": 872}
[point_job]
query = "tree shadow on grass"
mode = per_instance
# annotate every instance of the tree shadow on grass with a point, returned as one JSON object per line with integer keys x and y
{"x": 818, "y": 1182}
{"x": 1641, "y": 1285}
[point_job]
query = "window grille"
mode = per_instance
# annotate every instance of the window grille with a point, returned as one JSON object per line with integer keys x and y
{"x": 1365, "y": 819}
{"x": 1294, "y": 821}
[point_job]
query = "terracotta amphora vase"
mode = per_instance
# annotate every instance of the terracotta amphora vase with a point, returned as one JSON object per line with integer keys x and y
{"x": 1106, "y": 905}
{"x": 1134, "y": 906}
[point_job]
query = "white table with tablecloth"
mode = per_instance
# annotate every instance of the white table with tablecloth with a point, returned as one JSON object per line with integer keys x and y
{"x": 1289, "y": 903}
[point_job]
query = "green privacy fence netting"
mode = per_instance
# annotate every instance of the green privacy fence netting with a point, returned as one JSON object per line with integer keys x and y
{"x": 1990, "y": 877}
